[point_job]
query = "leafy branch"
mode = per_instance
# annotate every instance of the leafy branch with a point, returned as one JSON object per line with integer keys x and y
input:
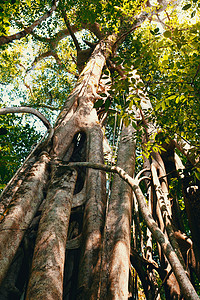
{"x": 19, "y": 35}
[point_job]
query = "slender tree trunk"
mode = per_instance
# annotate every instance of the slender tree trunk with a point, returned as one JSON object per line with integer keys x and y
{"x": 116, "y": 244}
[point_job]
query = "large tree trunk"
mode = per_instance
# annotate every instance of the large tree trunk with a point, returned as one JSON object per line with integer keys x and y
{"x": 77, "y": 121}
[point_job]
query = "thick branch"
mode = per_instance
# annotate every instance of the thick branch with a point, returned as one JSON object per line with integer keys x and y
{"x": 42, "y": 56}
{"x": 24, "y": 109}
{"x": 17, "y": 36}
{"x": 114, "y": 275}
{"x": 17, "y": 179}
{"x": 161, "y": 196}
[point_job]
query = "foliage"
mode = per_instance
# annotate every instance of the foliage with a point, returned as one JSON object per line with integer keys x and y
{"x": 169, "y": 64}
{"x": 15, "y": 145}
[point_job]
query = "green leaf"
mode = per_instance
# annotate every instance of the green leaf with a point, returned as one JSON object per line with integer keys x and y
{"x": 171, "y": 97}
{"x": 98, "y": 103}
{"x": 107, "y": 104}
{"x": 193, "y": 13}
{"x": 163, "y": 105}
{"x": 167, "y": 34}
{"x": 179, "y": 45}
{"x": 197, "y": 174}
{"x": 187, "y": 6}
{"x": 140, "y": 85}
{"x": 164, "y": 62}
{"x": 176, "y": 32}
{"x": 130, "y": 104}
{"x": 158, "y": 105}
{"x": 133, "y": 80}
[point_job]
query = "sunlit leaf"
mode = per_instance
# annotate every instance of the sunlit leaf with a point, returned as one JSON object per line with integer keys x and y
{"x": 167, "y": 34}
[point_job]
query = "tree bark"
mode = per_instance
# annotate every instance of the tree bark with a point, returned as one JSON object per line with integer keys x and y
{"x": 20, "y": 214}
{"x": 114, "y": 277}
{"x": 46, "y": 280}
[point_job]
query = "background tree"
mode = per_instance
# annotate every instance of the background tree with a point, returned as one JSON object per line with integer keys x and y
{"x": 125, "y": 77}
{"x": 16, "y": 141}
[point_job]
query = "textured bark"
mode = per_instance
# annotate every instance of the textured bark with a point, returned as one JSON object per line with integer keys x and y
{"x": 161, "y": 202}
{"x": 117, "y": 238}
{"x": 20, "y": 214}
{"x": 8, "y": 289}
{"x": 143, "y": 269}
{"x": 78, "y": 113}
{"x": 93, "y": 221}
{"x": 78, "y": 116}
{"x": 14, "y": 184}
{"x": 189, "y": 248}
{"x": 184, "y": 282}
{"x": 46, "y": 280}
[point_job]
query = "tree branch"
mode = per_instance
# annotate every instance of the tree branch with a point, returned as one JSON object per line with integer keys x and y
{"x": 17, "y": 36}
{"x": 50, "y": 131}
{"x": 78, "y": 49}
{"x": 44, "y": 55}
{"x": 49, "y": 53}
{"x": 24, "y": 109}
{"x": 47, "y": 106}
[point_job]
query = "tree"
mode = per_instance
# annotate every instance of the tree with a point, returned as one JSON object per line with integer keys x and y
{"x": 68, "y": 230}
